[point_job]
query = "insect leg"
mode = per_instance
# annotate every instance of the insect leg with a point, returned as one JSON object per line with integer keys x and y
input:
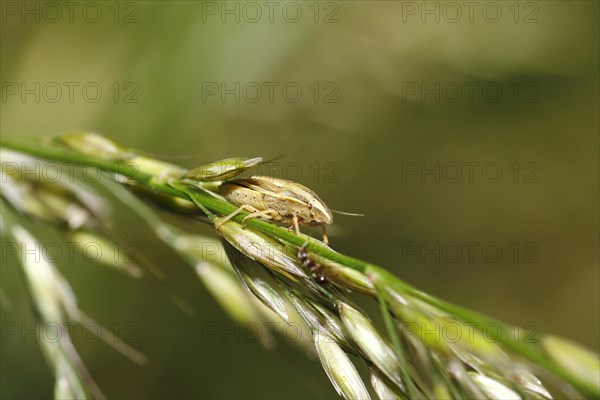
{"x": 296, "y": 225}
{"x": 269, "y": 214}
{"x": 325, "y": 238}
{"x": 245, "y": 207}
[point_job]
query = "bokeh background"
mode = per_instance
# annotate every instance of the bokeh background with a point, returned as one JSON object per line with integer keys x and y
{"x": 388, "y": 90}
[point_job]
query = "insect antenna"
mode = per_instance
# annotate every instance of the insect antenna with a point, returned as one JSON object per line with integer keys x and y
{"x": 348, "y": 213}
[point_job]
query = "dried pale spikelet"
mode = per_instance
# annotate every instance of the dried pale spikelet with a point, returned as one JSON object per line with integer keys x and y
{"x": 492, "y": 388}
{"x": 319, "y": 320}
{"x": 258, "y": 281}
{"x": 382, "y": 390}
{"x": 463, "y": 379}
{"x": 261, "y": 248}
{"x": 333, "y": 325}
{"x": 526, "y": 380}
{"x": 306, "y": 311}
{"x": 340, "y": 370}
{"x": 372, "y": 344}
{"x": 294, "y": 330}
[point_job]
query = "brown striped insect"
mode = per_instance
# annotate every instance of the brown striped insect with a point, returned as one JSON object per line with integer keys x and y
{"x": 277, "y": 199}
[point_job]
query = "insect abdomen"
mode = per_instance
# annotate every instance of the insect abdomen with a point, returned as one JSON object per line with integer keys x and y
{"x": 240, "y": 195}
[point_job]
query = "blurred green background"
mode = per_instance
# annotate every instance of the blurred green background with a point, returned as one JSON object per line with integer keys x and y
{"x": 388, "y": 90}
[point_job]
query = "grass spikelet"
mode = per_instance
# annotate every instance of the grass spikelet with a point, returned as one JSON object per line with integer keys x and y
{"x": 381, "y": 388}
{"x": 338, "y": 367}
{"x": 492, "y": 388}
{"x": 370, "y": 341}
{"x": 261, "y": 248}
{"x": 258, "y": 281}
{"x": 583, "y": 363}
